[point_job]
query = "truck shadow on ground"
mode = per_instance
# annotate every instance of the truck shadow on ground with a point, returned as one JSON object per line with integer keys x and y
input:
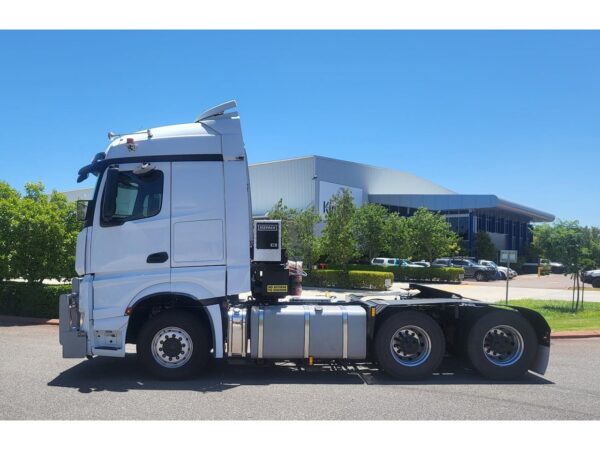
{"x": 122, "y": 375}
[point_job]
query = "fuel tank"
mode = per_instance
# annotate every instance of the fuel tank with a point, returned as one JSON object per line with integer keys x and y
{"x": 300, "y": 331}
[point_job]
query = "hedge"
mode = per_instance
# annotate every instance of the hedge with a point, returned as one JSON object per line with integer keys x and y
{"x": 446, "y": 274}
{"x": 353, "y": 279}
{"x": 37, "y": 300}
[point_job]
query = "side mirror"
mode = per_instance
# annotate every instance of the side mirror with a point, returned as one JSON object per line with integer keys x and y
{"x": 109, "y": 200}
{"x": 81, "y": 208}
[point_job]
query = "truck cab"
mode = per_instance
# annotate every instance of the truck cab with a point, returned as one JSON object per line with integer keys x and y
{"x": 169, "y": 221}
{"x": 169, "y": 259}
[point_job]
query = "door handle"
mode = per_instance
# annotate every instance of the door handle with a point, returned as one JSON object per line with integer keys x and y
{"x": 159, "y": 257}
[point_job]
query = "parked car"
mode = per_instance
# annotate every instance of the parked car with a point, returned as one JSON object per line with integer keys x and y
{"x": 532, "y": 266}
{"x": 384, "y": 262}
{"x": 392, "y": 262}
{"x": 472, "y": 269}
{"x": 556, "y": 267}
{"x": 422, "y": 263}
{"x": 591, "y": 277}
{"x": 407, "y": 263}
{"x": 501, "y": 271}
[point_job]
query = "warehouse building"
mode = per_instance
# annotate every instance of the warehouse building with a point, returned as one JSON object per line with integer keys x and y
{"x": 312, "y": 180}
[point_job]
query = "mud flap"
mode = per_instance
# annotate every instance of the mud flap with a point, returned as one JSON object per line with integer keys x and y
{"x": 541, "y": 360}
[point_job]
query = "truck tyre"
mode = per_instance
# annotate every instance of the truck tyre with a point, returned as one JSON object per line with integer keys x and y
{"x": 173, "y": 345}
{"x": 480, "y": 276}
{"x": 596, "y": 282}
{"x": 409, "y": 345}
{"x": 501, "y": 345}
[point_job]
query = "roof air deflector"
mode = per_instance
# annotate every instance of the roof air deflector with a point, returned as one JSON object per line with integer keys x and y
{"x": 216, "y": 110}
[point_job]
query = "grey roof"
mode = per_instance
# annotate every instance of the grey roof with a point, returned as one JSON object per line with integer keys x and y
{"x": 456, "y": 201}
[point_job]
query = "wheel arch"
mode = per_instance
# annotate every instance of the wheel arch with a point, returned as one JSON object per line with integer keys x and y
{"x": 207, "y": 310}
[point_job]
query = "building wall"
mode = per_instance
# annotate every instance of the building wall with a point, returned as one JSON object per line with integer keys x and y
{"x": 291, "y": 180}
{"x": 301, "y": 182}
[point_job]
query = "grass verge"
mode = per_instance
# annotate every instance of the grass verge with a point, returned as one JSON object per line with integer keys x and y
{"x": 559, "y": 314}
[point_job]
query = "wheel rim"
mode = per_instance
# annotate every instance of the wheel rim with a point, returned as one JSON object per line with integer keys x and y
{"x": 410, "y": 346}
{"x": 172, "y": 347}
{"x": 503, "y": 345}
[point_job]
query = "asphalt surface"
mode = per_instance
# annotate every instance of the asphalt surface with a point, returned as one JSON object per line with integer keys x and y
{"x": 36, "y": 383}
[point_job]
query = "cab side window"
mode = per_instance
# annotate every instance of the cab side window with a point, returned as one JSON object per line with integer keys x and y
{"x": 138, "y": 196}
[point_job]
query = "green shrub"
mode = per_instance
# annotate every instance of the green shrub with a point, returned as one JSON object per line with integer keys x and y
{"x": 353, "y": 279}
{"x": 366, "y": 279}
{"x": 37, "y": 300}
{"x": 325, "y": 278}
{"x": 446, "y": 274}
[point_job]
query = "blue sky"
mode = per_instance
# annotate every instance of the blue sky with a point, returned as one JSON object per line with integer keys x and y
{"x": 516, "y": 114}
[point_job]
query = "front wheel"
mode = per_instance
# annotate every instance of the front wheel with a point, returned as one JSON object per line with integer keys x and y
{"x": 596, "y": 282}
{"x": 501, "y": 345}
{"x": 409, "y": 345}
{"x": 173, "y": 345}
{"x": 480, "y": 276}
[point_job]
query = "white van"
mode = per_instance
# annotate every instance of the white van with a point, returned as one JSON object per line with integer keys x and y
{"x": 385, "y": 262}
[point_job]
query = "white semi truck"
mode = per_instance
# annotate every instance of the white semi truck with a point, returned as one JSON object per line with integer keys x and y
{"x": 168, "y": 248}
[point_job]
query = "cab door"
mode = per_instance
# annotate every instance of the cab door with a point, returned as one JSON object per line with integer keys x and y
{"x": 198, "y": 262}
{"x": 130, "y": 250}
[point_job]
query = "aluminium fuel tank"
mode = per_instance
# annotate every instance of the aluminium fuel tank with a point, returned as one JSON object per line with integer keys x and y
{"x": 289, "y": 331}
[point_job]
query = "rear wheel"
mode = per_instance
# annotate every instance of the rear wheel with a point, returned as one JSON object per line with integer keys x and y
{"x": 173, "y": 345}
{"x": 501, "y": 345}
{"x": 409, "y": 345}
{"x": 596, "y": 282}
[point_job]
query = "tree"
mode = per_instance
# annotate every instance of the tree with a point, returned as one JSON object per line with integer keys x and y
{"x": 279, "y": 211}
{"x": 304, "y": 244}
{"x": 370, "y": 228}
{"x": 9, "y": 199}
{"x": 42, "y": 235}
{"x": 570, "y": 244}
{"x": 432, "y": 235}
{"x": 400, "y": 240}
{"x": 339, "y": 244}
{"x": 297, "y": 232}
{"x": 484, "y": 247}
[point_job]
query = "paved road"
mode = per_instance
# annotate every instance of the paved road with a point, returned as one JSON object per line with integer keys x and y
{"x": 35, "y": 383}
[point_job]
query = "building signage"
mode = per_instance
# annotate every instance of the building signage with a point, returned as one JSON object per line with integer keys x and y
{"x": 328, "y": 190}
